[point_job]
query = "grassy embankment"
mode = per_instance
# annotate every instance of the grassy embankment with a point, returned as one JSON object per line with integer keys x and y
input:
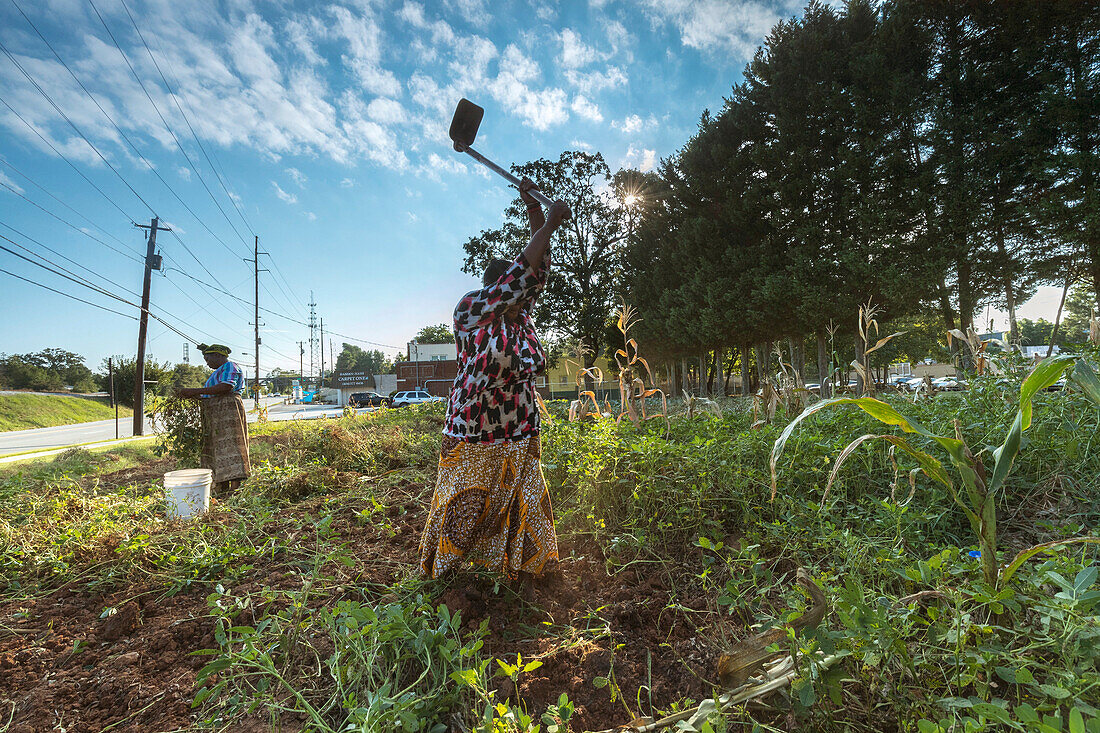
{"x": 22, "y": 412}
{"x": 303, "y": 587}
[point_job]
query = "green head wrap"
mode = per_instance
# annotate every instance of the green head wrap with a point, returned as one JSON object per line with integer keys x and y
{"x": 214, "y": 349}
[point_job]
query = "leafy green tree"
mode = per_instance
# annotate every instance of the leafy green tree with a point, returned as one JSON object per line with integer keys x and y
{"x": 160, "y": 378}
{"x": 586, "y": 273}
{"x": 440, "y": 334}
{"x": 353, "y": 358}
{"x": 1080, "y": 307}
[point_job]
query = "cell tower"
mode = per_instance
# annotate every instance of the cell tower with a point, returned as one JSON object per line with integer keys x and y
{"x": 186, "y": 357}
{"x": 312, "y": 333}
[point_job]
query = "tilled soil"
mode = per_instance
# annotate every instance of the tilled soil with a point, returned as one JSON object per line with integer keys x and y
{"x": 79, "y": 660}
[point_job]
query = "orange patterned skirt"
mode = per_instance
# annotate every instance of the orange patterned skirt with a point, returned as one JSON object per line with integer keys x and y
{"x": 490, "y": 506}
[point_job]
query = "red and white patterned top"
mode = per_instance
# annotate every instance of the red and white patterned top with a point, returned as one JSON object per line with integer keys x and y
{"x": 493, "y": 398}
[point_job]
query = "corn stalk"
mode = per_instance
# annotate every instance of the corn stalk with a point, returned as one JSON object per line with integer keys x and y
{"x": 632, "y": 388}
{"x": 866, "y": 323}
{"x": 977, "y": 489}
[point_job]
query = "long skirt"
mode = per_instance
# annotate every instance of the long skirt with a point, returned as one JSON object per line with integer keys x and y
{"x": 225, "y": 437}
{"x": 490, "y": 506}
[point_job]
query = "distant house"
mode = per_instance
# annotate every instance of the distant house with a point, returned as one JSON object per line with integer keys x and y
{"x": 432, "y": 367}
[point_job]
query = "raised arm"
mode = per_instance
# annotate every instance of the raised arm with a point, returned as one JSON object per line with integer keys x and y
{"x": 519, "y": 284}
{"x": 534, "y": 209}
{"x": 536, "y": 249}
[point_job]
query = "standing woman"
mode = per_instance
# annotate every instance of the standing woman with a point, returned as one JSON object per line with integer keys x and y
{"x": 224, "y": 424}
{"x": 491, "y": 505}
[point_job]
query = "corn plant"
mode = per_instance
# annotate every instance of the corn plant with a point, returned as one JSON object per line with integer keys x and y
{"x": 632, "y": 390}
{"x": 979, "y": 487}
{"x": 866, "y": 323}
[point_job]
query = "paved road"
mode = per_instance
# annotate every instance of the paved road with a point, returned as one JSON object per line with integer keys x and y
{"x": 20, "y": 441}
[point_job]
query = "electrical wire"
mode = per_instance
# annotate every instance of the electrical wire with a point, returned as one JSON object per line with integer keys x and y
{"x": 166, "y": 125}
{"x": 67, "y": 295}
{"x": 72, "y": 124}
{"x": 61, "y": 155}
{"x": 46, "y": 191}
{"x": 91, "y": 286}
{"x": 70, "y": 224}
{"x": 67, "y": 259}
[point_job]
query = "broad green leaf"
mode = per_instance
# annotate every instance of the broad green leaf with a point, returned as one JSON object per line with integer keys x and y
{"x": 1042, "y": 376}
{"x": 927, "y": 726}
{"x": 1024, "y": 676}
{"x": 1085, "y": 377}
{"x": 1025, "y": 713}
{"x": 1024, "y": 555}
{"x": 1084, "y": 579}
{"x": 929, "y": 465}
{"x": 875, "y": 408}
{"x": 1076, "y": 721}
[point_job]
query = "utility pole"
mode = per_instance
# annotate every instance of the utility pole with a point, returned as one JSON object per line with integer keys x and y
{"x": 312, "y": 332}
{"x": 114, "y": 402}
{"x": 152, "y": 262}
{"x": 301, "y": 357}
{"x": 256, "y": 267}
{"x": 322, "y": 342}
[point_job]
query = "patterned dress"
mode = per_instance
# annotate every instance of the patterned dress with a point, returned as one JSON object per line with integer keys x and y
{"x": 491, "y": 505}
{"x": 225, "y": 427}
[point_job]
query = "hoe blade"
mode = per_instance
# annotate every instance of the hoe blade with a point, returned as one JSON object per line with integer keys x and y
{"x": 464, "y": 124}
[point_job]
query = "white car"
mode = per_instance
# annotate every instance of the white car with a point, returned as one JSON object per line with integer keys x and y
{"x": 948, "y": 384}
{"x": 413, "y": 397}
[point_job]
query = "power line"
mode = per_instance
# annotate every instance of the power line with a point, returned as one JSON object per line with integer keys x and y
{"x": 66, "y": 159}
{"x": 67, "y": 259}
{"x": 46, "y": 191}
{"x": 175, "y": 99}
{"x": 91, "y": 286}
{"x": 52, "y": 290}
{"x": 166, "y": 125}
{"x": 73, "y": 125}
{"x": 69, "y": 224}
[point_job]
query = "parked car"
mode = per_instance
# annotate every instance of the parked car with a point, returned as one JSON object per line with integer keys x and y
{"x": 912, "y": 384}
{"x": 368, "y": 399}
{"x": 948, "y": 384}
{"x": 413, "y": 397}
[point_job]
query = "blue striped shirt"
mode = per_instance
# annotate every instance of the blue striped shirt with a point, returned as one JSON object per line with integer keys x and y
{"x": 227, "y": 373}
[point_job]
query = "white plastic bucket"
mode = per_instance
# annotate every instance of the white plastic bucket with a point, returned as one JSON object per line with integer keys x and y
{"x": 188, "y": 492}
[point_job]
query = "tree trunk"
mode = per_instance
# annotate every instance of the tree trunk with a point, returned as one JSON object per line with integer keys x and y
{"x": 1061, "y": 304}
{"x": 1010, "y": 291}
{"x": 719, "y": 369}
{"x": 729, "y": 373}
{"x": 823, "y": 375}
{"x": 746, "y": 370}
{"x": 684, "y": 386}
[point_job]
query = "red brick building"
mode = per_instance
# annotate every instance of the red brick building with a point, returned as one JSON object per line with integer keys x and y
{"x": 436, "y": 376}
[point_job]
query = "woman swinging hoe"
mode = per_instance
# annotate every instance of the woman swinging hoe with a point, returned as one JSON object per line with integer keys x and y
{"x": 491, "y": 505}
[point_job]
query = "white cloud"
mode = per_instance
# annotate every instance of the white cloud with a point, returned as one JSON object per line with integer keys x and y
{"x": 437, "y": 164}
{"x": 634, "y": 123}
{"x": 575, "y": 53}
{"x": 311, "y": 216}
{"x": 541, "y": 108}
{"x": 644, "y": 160}
{"x": 347, "y": 183}
{"x": 412, "y": 217}
{"x": 716, "y": 26}
{"x": 184, "y": 172}
{"x": 386, "y": 111}
{"x": 596, "y": 81}
{"x": 286, "y": 197}
{"x": 10, "y": 183}
{"x": 586, "y": 109}
{"x": 580, "y": 145}
{"x": 302, "y": 33}
{"x": 297, "y": 176}
{"x": 364, "y": 37}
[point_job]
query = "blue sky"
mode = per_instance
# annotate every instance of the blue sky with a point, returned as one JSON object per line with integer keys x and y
{"x": 322, "y": 128}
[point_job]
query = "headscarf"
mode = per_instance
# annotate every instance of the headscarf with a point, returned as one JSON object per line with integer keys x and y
{"x": 215, "y": 349}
